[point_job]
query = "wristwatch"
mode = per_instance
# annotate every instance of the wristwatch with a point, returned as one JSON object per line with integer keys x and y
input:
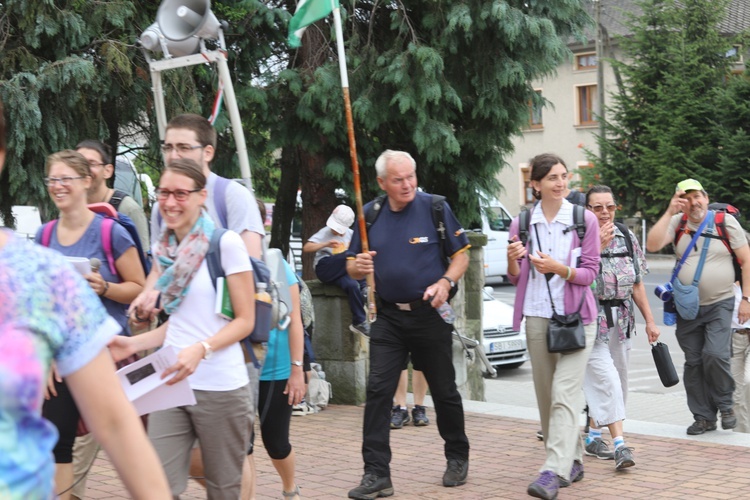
{"x": 297, "y": 363}
{"x": 209, "y": 350}
{"x": 446, "y": 278}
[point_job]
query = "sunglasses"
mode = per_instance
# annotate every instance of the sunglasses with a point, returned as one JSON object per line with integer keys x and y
{"x": 598, "y": 208}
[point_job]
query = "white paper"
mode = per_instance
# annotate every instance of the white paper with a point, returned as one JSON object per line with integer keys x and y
{"x": 81, "y": 264}
{"x": 145, "y": 388}
{"x": 575, "y": 254}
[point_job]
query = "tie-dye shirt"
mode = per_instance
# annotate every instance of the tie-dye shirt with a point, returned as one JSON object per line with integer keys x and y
{"x": 47, "y": 312}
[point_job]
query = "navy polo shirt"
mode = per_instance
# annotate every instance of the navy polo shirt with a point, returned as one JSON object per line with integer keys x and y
{"x": 408, "y": 245}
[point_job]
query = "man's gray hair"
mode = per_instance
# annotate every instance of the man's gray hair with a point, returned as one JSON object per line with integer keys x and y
{"x": 382, "y": 162}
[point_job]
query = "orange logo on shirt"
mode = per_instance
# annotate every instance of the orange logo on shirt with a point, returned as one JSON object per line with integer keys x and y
{"x": 419, "y": 239}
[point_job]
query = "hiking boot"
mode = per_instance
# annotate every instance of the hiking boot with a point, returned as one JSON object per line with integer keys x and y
{"x": 545, "y": 486}
{"x": 599, "y": 449}
{"x": 372, "y": 486}
{"x": 419, "y": 416}
{"x": 700, "y": 426}
{"x": 576, "y": 474}
{"x": 728, "y": 420}
{"x": 623, "y": 458}
{"x": 362, "y": 328}
{"x": 399, "y": 417}
{"x": 456, "y": 472}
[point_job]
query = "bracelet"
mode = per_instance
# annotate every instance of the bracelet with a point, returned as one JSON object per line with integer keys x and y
{"x": 569, "y": 272}
{"x": 106, "y": 288}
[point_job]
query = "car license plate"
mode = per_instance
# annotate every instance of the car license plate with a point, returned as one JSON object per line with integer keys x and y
{"x": 506, "y": 345}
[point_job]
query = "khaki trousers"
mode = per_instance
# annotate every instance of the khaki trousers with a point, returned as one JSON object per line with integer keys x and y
{"x": 558, "y": 382}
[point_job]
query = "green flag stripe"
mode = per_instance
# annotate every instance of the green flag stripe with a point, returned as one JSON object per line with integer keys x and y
{"x": 308, "y": 11}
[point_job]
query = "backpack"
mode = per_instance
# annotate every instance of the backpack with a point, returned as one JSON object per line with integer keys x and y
{"x": 274, "y": 278}
{"x": 579, "y": 224}
{"x": 319, "y": 390}
{"x": 629, "y": 248}
{"x": 720, "y": 209}
{"x": 117, "y": 198}
{"x": 438, "y": 219}
{"x": 111, "y": 216}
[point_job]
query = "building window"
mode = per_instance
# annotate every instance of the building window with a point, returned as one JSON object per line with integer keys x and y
{"x": 535, "y": 111}
{"x": 588, "y": 105}
{"x": 735, "y": 54}
{"x": 586, "y": 61}
{"x": 528, "y": 191}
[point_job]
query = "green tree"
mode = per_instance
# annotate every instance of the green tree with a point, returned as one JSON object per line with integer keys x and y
{"x": 664, "y": 123}
{"x": 66, "y": 73}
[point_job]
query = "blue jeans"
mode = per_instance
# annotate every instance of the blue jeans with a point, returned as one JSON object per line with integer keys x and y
{"x": 332, "y": 270}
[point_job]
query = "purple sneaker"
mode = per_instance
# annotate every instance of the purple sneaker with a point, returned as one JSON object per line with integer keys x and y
{"x": 576, "y": 474}
{"x": 545, "y": 486}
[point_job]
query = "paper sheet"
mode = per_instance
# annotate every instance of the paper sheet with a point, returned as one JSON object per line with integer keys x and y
{"x": 145, "y": 388}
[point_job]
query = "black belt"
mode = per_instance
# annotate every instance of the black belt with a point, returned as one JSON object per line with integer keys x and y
{"x": 742, "y": 331}
{"x": 608, "y": 305}
{"x": 405, "y": 306}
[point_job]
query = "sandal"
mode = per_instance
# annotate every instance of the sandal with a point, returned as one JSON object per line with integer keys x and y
{"x": 291, "y": 494}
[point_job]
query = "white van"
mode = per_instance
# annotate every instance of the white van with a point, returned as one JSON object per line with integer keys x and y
{"x": 495, "y": 224}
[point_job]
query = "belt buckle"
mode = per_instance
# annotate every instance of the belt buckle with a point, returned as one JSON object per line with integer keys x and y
{"x": 403, "y": 306}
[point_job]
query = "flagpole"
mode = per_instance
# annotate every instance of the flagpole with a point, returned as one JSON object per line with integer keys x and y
{"x": 371, "y": 308}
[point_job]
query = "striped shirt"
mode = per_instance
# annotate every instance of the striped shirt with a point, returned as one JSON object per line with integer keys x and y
{"x": 555, "y": 243}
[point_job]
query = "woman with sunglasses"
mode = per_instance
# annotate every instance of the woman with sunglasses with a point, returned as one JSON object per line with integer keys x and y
{"x": 619, "y": 284}
{"x": 49, "y": 314}
{"x": 78, "y": 233}
{"x": 209, "y": 353}
{"x": 553, "y": 272}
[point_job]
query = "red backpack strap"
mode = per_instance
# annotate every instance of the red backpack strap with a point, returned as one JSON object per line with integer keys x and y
{"x": 47, "y": 232}
{"x": 681, "y": 229}
{"x": 721, "y": 230}
{"x": 107, "y": 228}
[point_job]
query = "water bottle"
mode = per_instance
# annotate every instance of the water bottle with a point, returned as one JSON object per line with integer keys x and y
{"x": 261, "y": 293}
{"x": 670, "y": 313}
{"x": 447, "y": 313}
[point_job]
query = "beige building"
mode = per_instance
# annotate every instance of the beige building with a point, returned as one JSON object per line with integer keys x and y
{"x": 568, "y": 124}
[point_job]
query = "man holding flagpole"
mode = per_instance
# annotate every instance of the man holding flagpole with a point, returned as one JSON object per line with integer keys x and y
{"x": 416, "y": 271}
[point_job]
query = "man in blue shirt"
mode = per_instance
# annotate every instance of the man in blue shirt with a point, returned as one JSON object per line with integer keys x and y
{"x": 411, "y": 280}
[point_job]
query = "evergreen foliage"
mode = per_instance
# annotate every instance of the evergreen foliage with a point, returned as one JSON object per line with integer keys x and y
{"x": 679, "y": 113}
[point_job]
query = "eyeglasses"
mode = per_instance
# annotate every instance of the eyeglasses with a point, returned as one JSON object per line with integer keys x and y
{"x": 598, "y": 208}
{"x": 182, "y": 149}
{"x": 179, "y": 194}
{"x": 63, "y": 181}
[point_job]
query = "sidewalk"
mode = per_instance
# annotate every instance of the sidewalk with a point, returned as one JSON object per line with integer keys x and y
{"x": 505, "y": 457}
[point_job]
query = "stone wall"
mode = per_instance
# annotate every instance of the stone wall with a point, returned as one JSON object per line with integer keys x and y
{"x": 344, "y": 355}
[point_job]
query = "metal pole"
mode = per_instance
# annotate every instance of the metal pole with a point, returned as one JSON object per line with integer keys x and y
{"x": 230, "y": 100}
{"x": 161, "y": 112}
{"x": 600, "y": 76}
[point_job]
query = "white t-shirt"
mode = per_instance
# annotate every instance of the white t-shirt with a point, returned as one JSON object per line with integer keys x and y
{"x": 195, "y": 321}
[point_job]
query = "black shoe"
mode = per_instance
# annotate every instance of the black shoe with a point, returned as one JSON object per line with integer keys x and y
{"x": 728, "y": 419}
{"x": 700, "y": 426}
{"x": 419, "y": 416}
{"x": 399, "y": 417}
{"x": 456, "y": 472}
{"x": 371, "y": 487}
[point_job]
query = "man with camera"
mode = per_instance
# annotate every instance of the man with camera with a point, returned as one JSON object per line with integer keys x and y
{"x": 706, "y": 339}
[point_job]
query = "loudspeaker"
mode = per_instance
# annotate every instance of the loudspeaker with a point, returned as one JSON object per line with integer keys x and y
{"x": 182, "y": 19}
{"x": 151, "y": 39}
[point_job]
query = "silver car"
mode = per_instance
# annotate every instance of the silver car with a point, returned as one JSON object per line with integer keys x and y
{"x": 504, "y": 346}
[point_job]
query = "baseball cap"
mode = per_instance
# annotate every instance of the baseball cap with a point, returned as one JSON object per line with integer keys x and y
{"x": 690, "y": 185}
{"x": 341, "y": 218}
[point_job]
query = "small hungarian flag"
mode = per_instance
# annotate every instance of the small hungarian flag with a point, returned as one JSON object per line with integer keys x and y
{"x": 308, "y": 12}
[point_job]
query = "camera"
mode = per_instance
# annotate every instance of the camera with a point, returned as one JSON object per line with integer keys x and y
{"x": 664, "y": 292}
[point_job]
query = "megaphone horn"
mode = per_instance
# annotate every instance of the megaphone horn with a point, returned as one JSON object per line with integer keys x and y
{"x": 182, "y": 19}
{"x": 151, "y": 39}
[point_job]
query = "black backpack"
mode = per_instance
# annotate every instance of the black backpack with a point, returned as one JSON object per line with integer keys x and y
{"x": 629, "y": 246}
{"x": 579, "y": 223}
{"x": 117, "y": 198}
